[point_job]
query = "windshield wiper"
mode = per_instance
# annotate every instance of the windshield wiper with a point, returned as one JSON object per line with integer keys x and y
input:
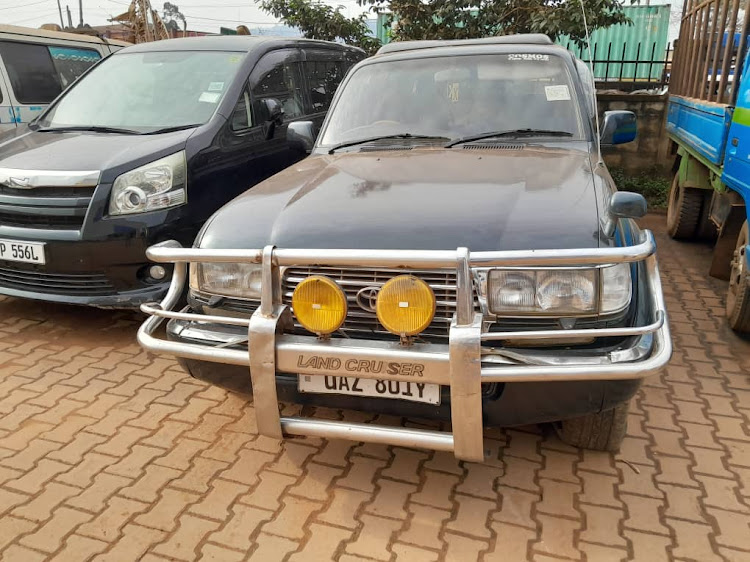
{"x": 515, "y": 133}
{"x": 382, "y": 137}
{"x": 93, "y": 128}
{"x": 172, "y": 129}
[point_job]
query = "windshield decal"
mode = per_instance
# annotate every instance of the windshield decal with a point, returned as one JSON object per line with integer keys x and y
{"x": 557, "y": 93}
{"x": 210, "y": 97}
{"x": 216, "y": 86}
{"x": 528, "y": 56}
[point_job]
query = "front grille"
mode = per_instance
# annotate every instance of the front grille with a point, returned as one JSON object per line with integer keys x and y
{"x": 364, "y": 323}
{"x": 83, "y": 284}
{"x": 56, "y": 208}
{"x": 41, "y": 221}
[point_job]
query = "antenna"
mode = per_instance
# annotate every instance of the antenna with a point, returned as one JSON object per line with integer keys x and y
{"x": 593, "y": 87}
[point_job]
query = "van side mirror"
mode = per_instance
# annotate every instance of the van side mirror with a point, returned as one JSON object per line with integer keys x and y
{"x": 618, "y": 127}
{"x": 274, "y": 111}
{"x": 623, "y": 205}
{"x": 300, "y": 136}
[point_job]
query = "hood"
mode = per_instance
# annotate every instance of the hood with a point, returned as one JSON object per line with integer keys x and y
{"x": 82, "y": 150}
{"x": 422, "y": 199}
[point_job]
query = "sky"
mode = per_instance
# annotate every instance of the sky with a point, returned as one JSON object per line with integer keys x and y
{"x": 201, "y": 15}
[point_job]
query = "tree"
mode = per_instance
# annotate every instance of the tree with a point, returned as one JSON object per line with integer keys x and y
{"x": 321, "y": 21}
{"x": 466, "y": 19}
{"x": 171, "y": 14}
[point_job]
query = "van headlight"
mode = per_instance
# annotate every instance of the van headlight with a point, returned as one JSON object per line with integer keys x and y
{"x": 158, "y": 185}
{"x": 558, "y": 291}
{"x": 242, "y": 280}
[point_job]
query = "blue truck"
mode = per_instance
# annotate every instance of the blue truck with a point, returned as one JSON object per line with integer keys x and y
{"x": 708, "y": 123}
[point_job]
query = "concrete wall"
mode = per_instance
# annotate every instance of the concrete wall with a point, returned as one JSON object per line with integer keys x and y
{"x": 650, "y": 150}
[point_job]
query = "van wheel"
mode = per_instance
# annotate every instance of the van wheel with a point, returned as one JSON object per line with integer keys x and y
{"x": 683, "y": 210}
{"x": 603, "y": 431}
{"x": 738, "y": 295}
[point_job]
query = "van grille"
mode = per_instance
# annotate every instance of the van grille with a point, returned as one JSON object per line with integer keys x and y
{"x": 45, "y": 208}
{"x": 84, "y": 284}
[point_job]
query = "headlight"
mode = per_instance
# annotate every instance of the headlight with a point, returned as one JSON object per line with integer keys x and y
{"x": 617, "y": 288}
{"x": 158, "y": 185}
{"x": 544, "y": 292}
{"x": 241, "y": 280}
{"x": 559, "y": 292}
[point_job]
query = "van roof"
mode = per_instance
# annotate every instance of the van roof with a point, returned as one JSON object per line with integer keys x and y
{"x": 239, "y": 43}
{"x": 32, "y": 32}
{"x": 519, "y": 39}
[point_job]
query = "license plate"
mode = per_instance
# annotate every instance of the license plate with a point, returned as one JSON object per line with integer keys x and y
{"x": 353, "y": 386}
{"x": 15, "y": 250}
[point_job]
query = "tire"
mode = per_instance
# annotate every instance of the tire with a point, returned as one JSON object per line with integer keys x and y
{"x": 683, "y": 210}
{"x": 603, "y": 431}
{"x": 738, "y": 294}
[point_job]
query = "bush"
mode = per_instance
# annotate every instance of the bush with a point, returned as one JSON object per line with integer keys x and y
{"x": 652, "y": 185}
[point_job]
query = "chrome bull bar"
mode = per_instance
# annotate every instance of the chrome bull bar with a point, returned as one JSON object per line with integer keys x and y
{"x": 457, "y": 365}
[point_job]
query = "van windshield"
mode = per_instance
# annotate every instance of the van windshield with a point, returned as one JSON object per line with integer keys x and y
{"x": 146, "y": 92}
{"x": 456, "y": 97}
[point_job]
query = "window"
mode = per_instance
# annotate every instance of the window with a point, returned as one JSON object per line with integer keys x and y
{"x": 323, "y": 78}
{"x": 70, "y": 63}
{"x": 39, "y": 73}
{"x": 242, "y": 118}
{"x": 147, "y": 91}
{"x": 282, "y": 83}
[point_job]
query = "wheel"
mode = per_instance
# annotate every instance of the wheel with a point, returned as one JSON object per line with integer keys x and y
{"x": 603, "y": 431}
{"x": 683, "y": 211}
{"x": 738, "y": 294}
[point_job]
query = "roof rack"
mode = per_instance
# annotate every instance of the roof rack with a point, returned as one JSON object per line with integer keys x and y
{"x": 520, "y": 39}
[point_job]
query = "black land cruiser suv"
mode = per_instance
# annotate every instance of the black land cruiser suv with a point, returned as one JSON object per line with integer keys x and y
{"x": 452, "y": 249}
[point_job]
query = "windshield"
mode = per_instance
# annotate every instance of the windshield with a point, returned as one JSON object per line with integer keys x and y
{"x": 147, "y": 91}
{"x": 455, "y": 97}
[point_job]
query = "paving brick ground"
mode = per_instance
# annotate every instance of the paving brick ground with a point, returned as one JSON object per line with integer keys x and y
{"x": 108, "y": 453}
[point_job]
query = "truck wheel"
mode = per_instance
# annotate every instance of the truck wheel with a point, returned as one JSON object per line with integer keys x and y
{"x": 603, "y": 431}
{"x": 683, "y": 211}
{"x": 738, "y": 295}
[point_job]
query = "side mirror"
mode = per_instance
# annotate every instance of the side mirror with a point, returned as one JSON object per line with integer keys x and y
{"x": 623, "y": 205}
{"x": 300, "y": 136}
{"x": 618, "y": 127}
{"x": 274, "y": 111}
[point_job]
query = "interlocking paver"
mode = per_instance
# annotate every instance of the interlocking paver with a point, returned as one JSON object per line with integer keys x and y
{"x": 108, "y": 452}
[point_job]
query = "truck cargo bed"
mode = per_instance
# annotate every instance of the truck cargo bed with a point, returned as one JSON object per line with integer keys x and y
{"x": 701, "y": 125}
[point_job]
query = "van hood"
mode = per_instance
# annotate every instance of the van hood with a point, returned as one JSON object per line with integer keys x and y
{"x": 25, "y": 149}
{"x": 528, "y": 197}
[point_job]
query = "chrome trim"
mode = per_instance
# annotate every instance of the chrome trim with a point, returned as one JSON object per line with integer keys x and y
{"x": 30, "y": 179}
{"x": 463, "y": 364}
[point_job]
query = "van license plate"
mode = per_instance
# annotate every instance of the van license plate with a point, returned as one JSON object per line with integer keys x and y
{"x": 15, "y": 250}
{"x": 353, "y": 386}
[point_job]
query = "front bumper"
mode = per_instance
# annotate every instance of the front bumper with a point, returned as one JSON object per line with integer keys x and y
{"x": 462, "y": 365}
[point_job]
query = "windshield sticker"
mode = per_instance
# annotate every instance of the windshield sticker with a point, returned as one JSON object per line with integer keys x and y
{"x": 528, "y": 56}
{"x": 210, "y": 97}
{"x": 453, "y": 91}
{"x": 234, "y": 59}
{"x": 216, "y": 86}
{"x": 557, "y": 93}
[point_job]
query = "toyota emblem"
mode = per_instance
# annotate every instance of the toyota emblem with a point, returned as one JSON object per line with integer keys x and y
{"x": 367, "y": 298}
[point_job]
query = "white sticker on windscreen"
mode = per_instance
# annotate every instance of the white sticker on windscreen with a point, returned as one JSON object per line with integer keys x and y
{"x": 527, "y": 56}
{"x": 557, "y": 93}
{"x": 209, "y": 97}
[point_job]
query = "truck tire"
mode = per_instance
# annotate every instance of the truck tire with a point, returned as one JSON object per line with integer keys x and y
{"x": 683, "y": 211}
{"x": 738, "y": 294}
{"x": 603, "y": 431}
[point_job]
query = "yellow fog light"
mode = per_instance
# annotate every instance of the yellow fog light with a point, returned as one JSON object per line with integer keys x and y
{"x": 405, "y": 305}
{"x": 319, "y": 304}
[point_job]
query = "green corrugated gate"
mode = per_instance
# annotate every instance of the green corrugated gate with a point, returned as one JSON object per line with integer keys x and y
{"x": 645, "y": 40}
